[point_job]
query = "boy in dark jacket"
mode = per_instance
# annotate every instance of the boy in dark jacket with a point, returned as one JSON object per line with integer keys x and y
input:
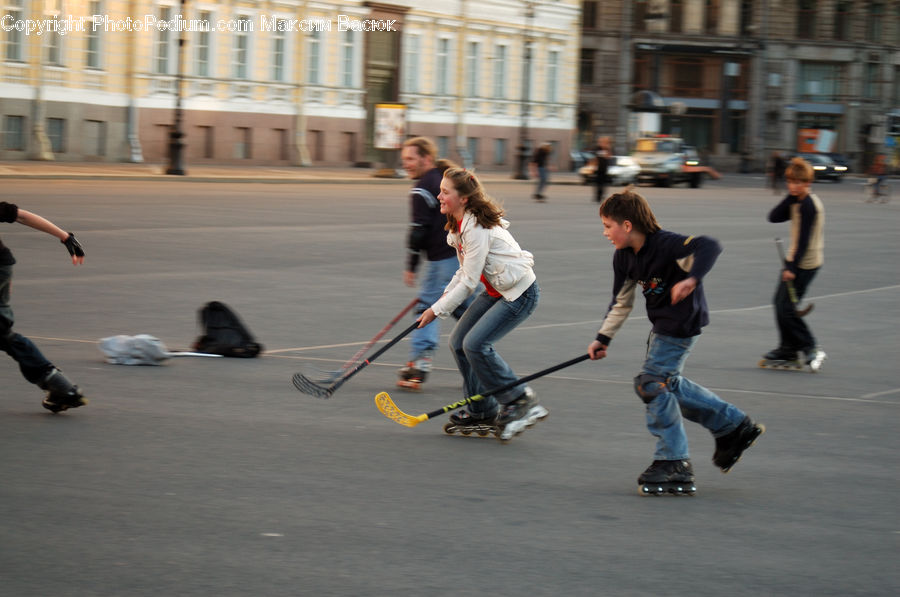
{"x": 35, "y": 367}
{"x": 669, "y": 269}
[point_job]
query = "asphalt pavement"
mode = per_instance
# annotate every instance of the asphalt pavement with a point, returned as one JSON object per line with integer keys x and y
{"x": 217, "y": 477}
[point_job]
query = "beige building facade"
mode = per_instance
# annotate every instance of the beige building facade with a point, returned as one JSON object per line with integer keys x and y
{"x": 284, "y": 82}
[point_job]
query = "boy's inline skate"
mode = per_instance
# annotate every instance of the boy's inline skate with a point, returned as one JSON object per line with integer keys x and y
{"x": 467, "y": 423}
{"x": 414, "y": 374}
{"x": 729, "y": 447}
{"x": 668, "y": 476}
{"x": 794, "y": 360}
{"x": 61, "y": 393}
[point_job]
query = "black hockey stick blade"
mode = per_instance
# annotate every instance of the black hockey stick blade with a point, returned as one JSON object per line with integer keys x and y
{"x": 308, "y": 386}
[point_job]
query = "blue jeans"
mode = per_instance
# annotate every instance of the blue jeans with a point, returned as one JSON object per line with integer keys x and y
{"x": 435, "y": 277}
{"x": 543, "y": 179}
{"x": 669, "y": 397}
{"x": 472, "y": 341}
{"x": 32, "y": 363}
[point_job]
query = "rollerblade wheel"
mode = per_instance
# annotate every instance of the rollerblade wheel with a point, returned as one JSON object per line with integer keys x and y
{"x": 466, "y": 431}
{"x": 449, "y": 428}
{"x": 484, "y": 432}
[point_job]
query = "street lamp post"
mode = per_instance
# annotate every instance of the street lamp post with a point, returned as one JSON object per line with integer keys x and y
{"x": 176, "y": 143}
{"x": 521, "y": 172}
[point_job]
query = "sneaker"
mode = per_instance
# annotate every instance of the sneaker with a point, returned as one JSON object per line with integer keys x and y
{"x": 466, "y": 418}
{"x": 520, "y": 414}
{"x": 730, "y": 446}
{"x": 781, "y": 354}
{"x": 815, "y": 358}
{"x": 61, "y": 393}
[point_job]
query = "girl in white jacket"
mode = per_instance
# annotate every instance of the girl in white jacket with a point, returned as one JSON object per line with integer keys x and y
{"x": 487, "y": 254}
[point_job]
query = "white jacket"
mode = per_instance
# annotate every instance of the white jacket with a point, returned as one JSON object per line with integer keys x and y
{"x": 489, "y": 251}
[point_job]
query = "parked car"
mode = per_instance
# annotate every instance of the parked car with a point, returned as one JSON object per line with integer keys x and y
{"x": 824, "y": 167}
{"x": 620, "y": 170}
{"x": 664, "y": 161}
{"x": 578, "y": 158}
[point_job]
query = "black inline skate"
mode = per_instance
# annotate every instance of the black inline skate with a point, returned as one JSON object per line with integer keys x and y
{"x": 668, "y": 476}
{"x": 61, "y": 393}
{"x": 467, "y": 423}
{"x": 782, "y": 358}
{"x": 729, "y": 447}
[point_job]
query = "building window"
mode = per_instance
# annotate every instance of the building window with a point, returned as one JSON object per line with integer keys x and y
{"x": 472, "y": 150}
{"x": 819, "y": 81}
{"x": 586, "y": 73}
{"x": 242, "y": 147}
{"x": 472, "y": 64}
{"x": 870, "y": 84}
{"x": 348, "y": 44}
{"x": 806, "y": 19}
{"x": 278, "y": 50}
{"x": 56, "y": 133}
{"x": 14, "y": 133}
{"x": 874, "y": 22}
{"x": 500, "y": 152}
{"x": 13, "y": 39}
{"x": 687, "y": 77}
{"x": 676, "y": 16}
{"x": 162, "y": 44}
{"x": 443, "y": 143}
{"x": 202, "y": 54}
{"x": 712, "y": 16}
{"x": 350, "y": 146}
{"x": 589, "y": 15}
{"x": 640, "y": 15}
{"x": 241, "y": 55}
{"x": 92, "y": 41}
{"x": 53, "y": 38}
{"x": 413, "y": 48}
{"x": 842, "y": 21}
{"x": 94, "y": 137}
{"x": 443, "y": 67}
{"x": 207, "y": 140}
{"x": 746, "y": 24}
{"x": 500, "y": 72}
{"x": 315, "y": 43}
{"x": 553, "y": 76}
{"x": 281, "y": 138}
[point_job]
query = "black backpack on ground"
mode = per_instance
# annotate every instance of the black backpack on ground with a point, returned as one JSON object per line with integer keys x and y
{"x": 224, "y": 333}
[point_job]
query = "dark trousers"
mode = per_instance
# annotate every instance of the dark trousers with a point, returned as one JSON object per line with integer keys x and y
{"x": 793, "y": 331}
{"x": 32, "y": 363}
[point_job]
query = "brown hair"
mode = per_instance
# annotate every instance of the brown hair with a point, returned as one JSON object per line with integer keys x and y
{"x": 486, "y": 211}
{"x": 631, "y": 206}
{"x": 423, "y": 145}
{"x": 799, "y": 169}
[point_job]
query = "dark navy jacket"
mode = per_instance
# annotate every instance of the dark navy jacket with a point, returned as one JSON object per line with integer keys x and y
{"x": 665, "y": 259}
{"x": 426, "y": 226}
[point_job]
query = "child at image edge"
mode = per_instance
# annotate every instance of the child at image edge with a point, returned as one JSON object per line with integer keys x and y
{"x": 61, "y": 393}
{"x": 669, "y": 269}
{"x": 805, "y": 256}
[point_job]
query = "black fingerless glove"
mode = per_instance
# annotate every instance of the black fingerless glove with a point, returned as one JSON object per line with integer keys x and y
{"x": 74, "y": 247}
